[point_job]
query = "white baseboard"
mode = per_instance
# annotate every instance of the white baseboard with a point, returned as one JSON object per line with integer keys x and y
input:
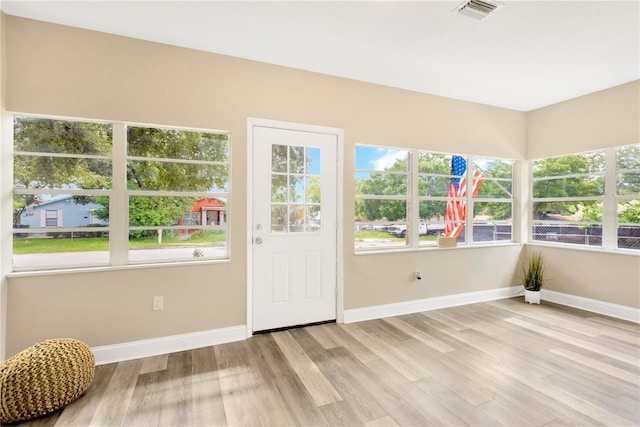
{"x": 416, "y": 306}
{"x": 171, "y": 344}
{"x": 596, "y": 306}
{"x": 164, "y": 345}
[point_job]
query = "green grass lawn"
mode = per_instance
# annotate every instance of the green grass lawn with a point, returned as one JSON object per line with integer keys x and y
{"x": 34, "y": 245}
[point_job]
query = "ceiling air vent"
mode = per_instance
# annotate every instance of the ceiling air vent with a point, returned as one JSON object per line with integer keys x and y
{"x": 477, "y": 9}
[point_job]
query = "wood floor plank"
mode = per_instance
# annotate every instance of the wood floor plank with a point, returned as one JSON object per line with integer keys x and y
{"x": 236, "y": 382}
{"x": 384, "y": 351}
{"x": 146, "y": 402}
{"x": 271, "y": 362}
{"x": 550, "y": 316}
{"x": 322, "y": 335}
{"x": 598, "y": 365}
{"x": 592, "y": 393}
{"x": 467, "y": 412}
{"x": 448, "y": 320}
{"x": 340, "y": 414}
{"x": 435, "y": 413}
{"x": 385, "y": 331}
{"x": 579, "y": 404}
{"x": 177, "y": 398}
{"x": 362, "y": 352}
{"x": 540, "y": 409}
{"x": 616, "y": 324}
{"x": 433, "y": 328}
{"x": 268, "y": 399}
{"x": 382, "y": 422}
{"x": 43, "y": 421}
{"x": 208, "y": 406}
{"x": 114, "y": 405}
{"x": 361, "y": 400}
{"x": 507, "y": 414}
{"x": 390, "y": 401}
{"x": 316, "y": 383}
{"x": 517, "y": 355}
{"x": 565, "y": 338}
{"x": 154, "y": 364}
{"x": 413, "y": 332}
{"x": 80, "y": 412}
{"x": 449, "y": 370}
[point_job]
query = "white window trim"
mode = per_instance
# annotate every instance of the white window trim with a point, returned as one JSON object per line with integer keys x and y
{"x": 609, "y": 200}
{"x": 118, "y": 226}
{"x": 413, "y": 201}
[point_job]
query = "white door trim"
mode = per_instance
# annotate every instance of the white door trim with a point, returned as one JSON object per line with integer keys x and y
{"x": 339, "y": 133}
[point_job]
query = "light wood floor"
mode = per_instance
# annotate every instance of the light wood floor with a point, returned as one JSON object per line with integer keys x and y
{"x": 496, "y": 363}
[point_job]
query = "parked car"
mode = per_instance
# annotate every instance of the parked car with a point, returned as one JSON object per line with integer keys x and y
{"x": 375, "y": 227}
{"x": 400, "y": 230}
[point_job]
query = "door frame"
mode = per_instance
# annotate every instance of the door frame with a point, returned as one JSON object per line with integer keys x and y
{"x": 339, "y": 133}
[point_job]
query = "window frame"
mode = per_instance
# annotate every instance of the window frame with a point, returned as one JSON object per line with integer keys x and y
{"x": 118, "y": 227}
{"x": 172, "y": 193}
{"x": 406, "y": 197}
{"x": 609, "y": 199}
{"x": 413, "y": 200}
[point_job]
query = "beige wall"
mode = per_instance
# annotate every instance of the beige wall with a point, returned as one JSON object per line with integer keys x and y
{"x": 608, "y": 118}
{"x": 602, "y": 276}
{"x": 71, "y": 72}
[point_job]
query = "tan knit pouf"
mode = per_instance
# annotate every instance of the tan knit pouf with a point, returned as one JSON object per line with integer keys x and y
{"x": 44, "y": 377}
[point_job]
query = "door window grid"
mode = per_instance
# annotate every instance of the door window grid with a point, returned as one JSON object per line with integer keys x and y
{"x": 295, "y": 189}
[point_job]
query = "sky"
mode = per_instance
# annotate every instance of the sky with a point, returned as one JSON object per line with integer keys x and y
{"x": 377, "y": 158}
{"x": 381, "y": 158}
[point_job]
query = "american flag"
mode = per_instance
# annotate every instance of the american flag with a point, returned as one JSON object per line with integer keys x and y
{"x": 455, "y": 213}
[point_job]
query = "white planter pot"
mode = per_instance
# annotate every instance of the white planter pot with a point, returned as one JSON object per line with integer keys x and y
{"x": 532, "y": 297}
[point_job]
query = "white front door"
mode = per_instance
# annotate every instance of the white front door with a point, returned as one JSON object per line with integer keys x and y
{"x": 294, "y": 227}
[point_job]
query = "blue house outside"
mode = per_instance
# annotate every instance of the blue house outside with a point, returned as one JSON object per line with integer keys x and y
{"x": 60, "y": 212}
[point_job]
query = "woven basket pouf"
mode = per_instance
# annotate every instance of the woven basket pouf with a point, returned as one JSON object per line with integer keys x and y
{"x": 43, "y": 378}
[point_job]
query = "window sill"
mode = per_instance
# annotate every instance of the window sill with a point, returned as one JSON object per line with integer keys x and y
{"x": 431, "y": 248}
{"x": 106, "y": 268}
{"x": 628, "y": 252}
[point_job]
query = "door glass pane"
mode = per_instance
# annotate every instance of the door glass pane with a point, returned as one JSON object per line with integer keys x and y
{"x": 279, "y": 219}
{"x": 279, "y": 158}
{"x": 279, "y": 188}
{"x": 296, "y": 188}
{"x": 296, "y": 218}
{"x": 313, "y": 218}
{"x": 313, "y": 189}
{"x": 313, "y": 161}
{"x": 296, "y": 159}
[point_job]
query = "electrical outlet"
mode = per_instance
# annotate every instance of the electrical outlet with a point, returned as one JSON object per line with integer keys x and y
{"x": 418, "y": 275}
{"x": 158, "y": 303}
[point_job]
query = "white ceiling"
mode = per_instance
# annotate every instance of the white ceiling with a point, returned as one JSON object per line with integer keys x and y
{"x": 527, "y": 55}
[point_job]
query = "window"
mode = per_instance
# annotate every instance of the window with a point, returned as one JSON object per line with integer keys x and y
{"x": 172, "y": 203}
{"x": 628, "y": 197}
{"x": 382, "y": 194}
{"x": 386, "y": 200}
{"x": 572, "y": 193}
{"x": 177, "y": 188}
{"x": 51, "y": 218}
{"x": 61, "y": 169}
{"x": 493, "y": 200}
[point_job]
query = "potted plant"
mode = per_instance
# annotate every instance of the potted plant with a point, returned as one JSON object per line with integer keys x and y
{"x": 533, "y": 277}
